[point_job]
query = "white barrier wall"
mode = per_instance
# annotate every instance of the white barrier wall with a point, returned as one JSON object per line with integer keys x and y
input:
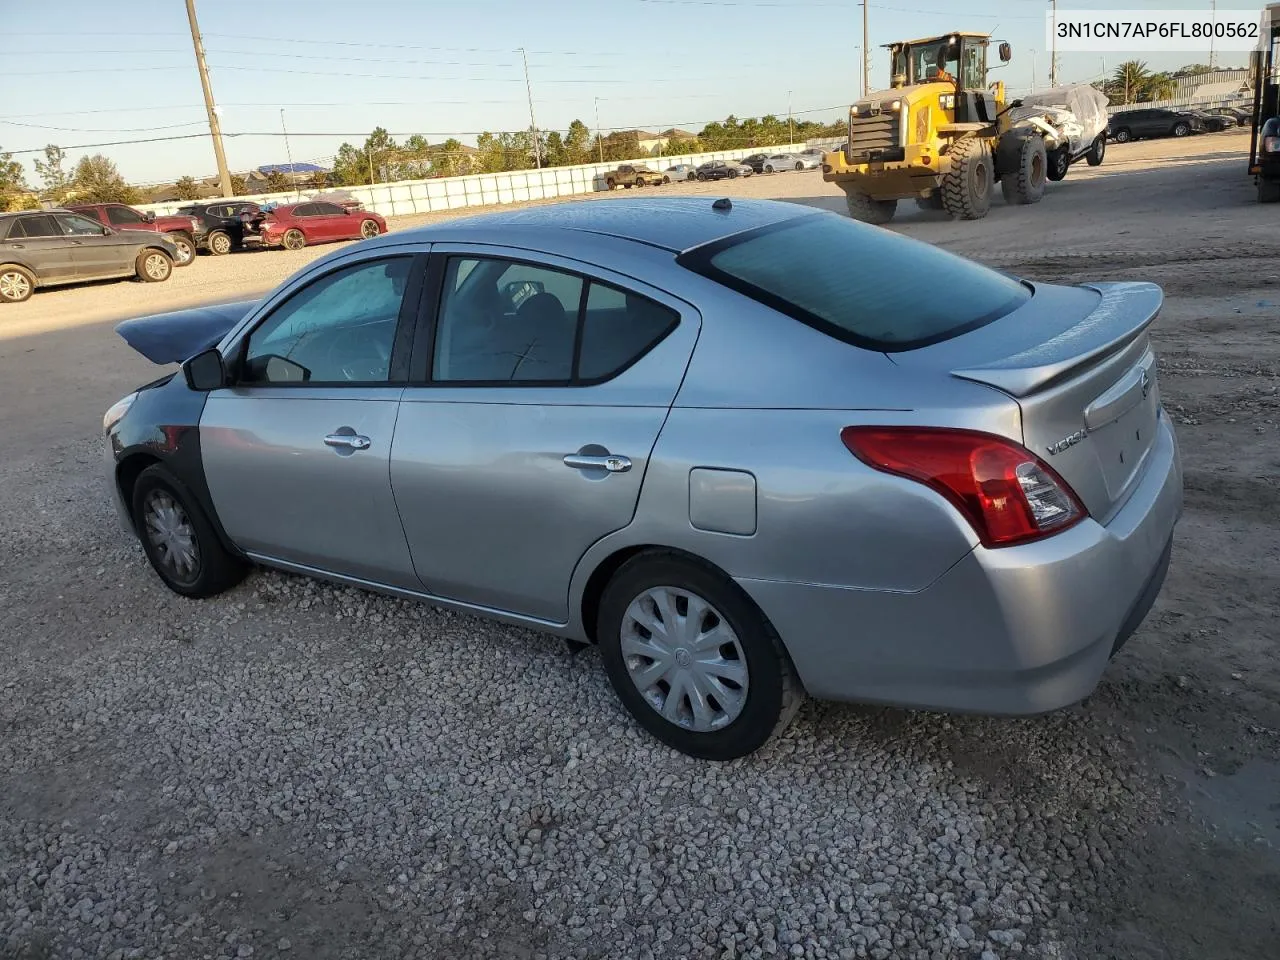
{"x": 482, "y": 189}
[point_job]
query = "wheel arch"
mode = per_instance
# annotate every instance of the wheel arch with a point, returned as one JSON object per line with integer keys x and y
{"x": 14, "y": 264}
{"x": 127, "y": 472}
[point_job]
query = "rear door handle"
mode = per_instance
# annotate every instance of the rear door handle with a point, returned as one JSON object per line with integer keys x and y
{"x": 351, "y": 441}
{"x": 611, "y": 462}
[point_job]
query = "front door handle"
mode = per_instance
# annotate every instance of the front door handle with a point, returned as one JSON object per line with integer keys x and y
{"x": 611, "y": 462}
{"x": 351, "y": 441}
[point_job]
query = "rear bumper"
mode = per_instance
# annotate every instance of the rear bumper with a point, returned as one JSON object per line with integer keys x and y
{"x": 1013, "y": 631}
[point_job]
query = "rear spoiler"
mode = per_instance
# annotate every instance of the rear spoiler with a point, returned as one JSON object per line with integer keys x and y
{"x": 176, "y": 336}
{"x": 1126, "y": 310}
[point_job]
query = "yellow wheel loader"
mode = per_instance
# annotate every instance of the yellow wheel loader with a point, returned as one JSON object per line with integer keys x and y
{"x": 939, "y": 135}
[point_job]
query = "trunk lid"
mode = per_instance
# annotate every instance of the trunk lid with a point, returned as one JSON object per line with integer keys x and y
{"x": 1079, "y": 363}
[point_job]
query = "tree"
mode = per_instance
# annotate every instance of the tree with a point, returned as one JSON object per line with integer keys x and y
{"x": 577, "y": 144}
{"x": 448, "y": 159}
{"x": 57, "y": 181}
{"x": 239, "y": 185}
{"x": 277, "y": 182}
{"x": 555, "y": 153}
{"x": 1159, "y": 86}
{"x": 187, "y": 189}
{"x": 98, "y": 181}
{"x": 13, "y": 183}
{"x": 1130, "y": 79}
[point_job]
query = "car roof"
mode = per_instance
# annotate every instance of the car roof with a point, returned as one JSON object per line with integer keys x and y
{"x": 671, "y": 223}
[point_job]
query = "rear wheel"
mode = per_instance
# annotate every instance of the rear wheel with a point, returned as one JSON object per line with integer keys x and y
{"x": 294, "y": 239}
{"x": 186, "y": 249}
{"x": 178, "y": 538}
{"x": 369, "y": 229}
{"x": 861, "y": 207}
{"x": 966, "y": 188}
{"x": 733, "y": 174}
{"x": 665, "y": 179}
{"x": 768, "y": 168}
{"x": 219, "y": 243}
{"x": 1023, "y": 172}
{"x": 1181, "y": 129}
{"x": 696, "y": 663}
{"x": 799, "y": 165}
{"x": 16, "y": 284}
{"x": 1097, "y": 151}
{"x": 1059, "y": 163}
{"x": 153, "y": 266}
{"x": 1123, "y": 135}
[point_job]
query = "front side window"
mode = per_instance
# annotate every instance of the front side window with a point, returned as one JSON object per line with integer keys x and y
{"x": 124, "y": 216}
{"x": 341, "y": 328}
{"x": 74, "y": 225}
{"x": 973, "y": 68}
{"x": 327, "y": 209}
{"x": 860, "y": 284}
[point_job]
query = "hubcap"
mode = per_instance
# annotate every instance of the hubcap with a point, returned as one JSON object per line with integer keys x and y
{"x": 170, "y": 533}
{"x": 14, "y": 286}
{"x": 221, "y": 244}
{"x": 185, "y": 252}
{"x": 370, "y": 229}
{"x": 685, "y": 659}
{"x": 157, "y": 267}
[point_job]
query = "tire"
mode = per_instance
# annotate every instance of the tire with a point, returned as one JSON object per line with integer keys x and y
{"x": 967, "y": 186}
{"x": 863, "y": 208}
{"x": 799, "y": 165}
{"x": 219, "y": 243}
{"x": 751, "y": 665}
{"x": 665, "y": 180}
{"x": 1024, "y": 169}
{"x": 186, "y": 249}
{"x": 167, "y": 519}
{"x": 698, "y": 177}
{"x": 768, "y": 169}
{"x": 1181, "y": 129}
{"x": 1097, "y": 151}
{"x": 369, "y": 229}
{"x": 16, "y": 283}
{"x": 153, "y": 266}
{"x": 1268, "y": 191}
{"x": 293, "y": 239}
{"x": 1123, "y": 135}
{"x": 610, "y": 184}
{"x": 733, "y": 174}
{"x": 931, "y": 202}
{"x": 1059, "y": 163}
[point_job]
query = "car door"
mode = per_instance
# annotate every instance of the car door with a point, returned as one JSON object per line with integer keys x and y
{"x": 507, "y": 465}
{"x": 126, "y": 218}
{"x": 334, "y": 223}
{"x": 296, "y": 448}
{"x": 37, "y": 241}
{"x": 98, "y": 251}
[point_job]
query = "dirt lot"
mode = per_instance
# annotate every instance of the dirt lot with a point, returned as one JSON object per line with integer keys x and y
{"x": 294, "y": 769}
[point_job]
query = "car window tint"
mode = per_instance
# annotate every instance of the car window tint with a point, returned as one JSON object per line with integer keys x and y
{"x": 862, "y": 283}
{"x": 75, "y": 225}
{"x": 33, "y": 227}
{"x": 327, "y": 209}
{"x": 618, "y": 329}
{"x": 304, "y": 210}
{"x": 506, "y": 322}
{"x": 340, "y": 328}
{"x": 123, "y": 216}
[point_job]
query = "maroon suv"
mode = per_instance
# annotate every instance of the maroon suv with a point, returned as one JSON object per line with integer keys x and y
{"x": 185, "y": 232}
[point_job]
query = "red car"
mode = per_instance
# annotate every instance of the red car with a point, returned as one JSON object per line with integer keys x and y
{"x": 185, "y": 232}
{"x": 298, "y": 224}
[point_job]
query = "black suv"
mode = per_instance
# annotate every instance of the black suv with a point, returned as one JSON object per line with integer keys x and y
{"x": 226, "y": 223}
{"x": 1137, "y": 124}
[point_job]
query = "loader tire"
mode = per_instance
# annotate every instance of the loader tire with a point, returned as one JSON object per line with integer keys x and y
{"x": 862, "y": 207}
{"x": 1268, "y": 191}
{"x": 966, "y": 188}
{"x": 932, "y": 202}
{"x": 1023, "y": 169}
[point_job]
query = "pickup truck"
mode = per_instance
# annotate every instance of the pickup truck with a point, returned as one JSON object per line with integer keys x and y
{"x": 634, "y": 175}
{"x": 185, "y": 232}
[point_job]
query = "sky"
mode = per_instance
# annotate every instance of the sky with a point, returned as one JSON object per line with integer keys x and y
{"x": 94, "y": 71}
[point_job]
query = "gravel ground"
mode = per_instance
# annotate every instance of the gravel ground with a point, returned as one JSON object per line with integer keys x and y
{"x": 295, "y": 769}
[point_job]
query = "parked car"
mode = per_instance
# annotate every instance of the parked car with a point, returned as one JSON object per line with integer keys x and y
{"x": 962, "y": 503}
{"x": 634, "y": 175}
{"x": 721, "y": 169}
{"x": 224, "y": 224}
{"x": 777, "y": 162}
{"x": 1213, "y": 122}
{"x": 297, "y": 225}
{"x": 185, "y": 232}
{"x": 755, "y": 161}
{"x": 1267, "y": 172}
{"x": 47, "y": 248}
{"x": 1237, "y": 115}
{"x": 342, "y": 198}
{"x": 682, "y": 171}
{"x": 1140, "y": 124}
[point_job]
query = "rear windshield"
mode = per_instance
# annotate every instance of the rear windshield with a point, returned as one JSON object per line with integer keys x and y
{"x": 861, "y": 284}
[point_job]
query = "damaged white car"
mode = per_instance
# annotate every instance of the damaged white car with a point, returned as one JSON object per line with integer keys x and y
{"x": 1073, "y": 122}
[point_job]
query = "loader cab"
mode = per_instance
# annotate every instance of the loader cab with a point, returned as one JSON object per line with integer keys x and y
{"x": 956, "y": 58}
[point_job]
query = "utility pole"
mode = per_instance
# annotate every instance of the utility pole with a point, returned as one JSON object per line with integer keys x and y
{"x": 533, "y": 124}
{"x": 1053, "y": 56}
{"x": 289, "y": 153}
{"x": 866, "y": 50}
{"x": 599, "y": 140}
{"x": 224, "y": 175}
{"x": 1214, "y": 8}
{"x": 791, "y": 137}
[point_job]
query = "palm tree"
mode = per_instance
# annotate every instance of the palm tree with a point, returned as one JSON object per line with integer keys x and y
{"x": 1130, "y": 78}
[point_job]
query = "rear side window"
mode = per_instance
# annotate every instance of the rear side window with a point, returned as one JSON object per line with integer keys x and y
{"x": 34, "y": 227}
{"x": 861, "y": 284}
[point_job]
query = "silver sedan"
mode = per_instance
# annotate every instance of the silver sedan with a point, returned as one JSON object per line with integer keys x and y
{"x": 749, "y": 449}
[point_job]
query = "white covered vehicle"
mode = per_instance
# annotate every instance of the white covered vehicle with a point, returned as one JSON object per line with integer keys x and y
{"x": 1073, "y": 122}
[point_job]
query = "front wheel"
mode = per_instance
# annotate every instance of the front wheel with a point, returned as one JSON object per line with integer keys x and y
{"x": 294, "y": 239}
{"x": 1096, "y": 152}
{"x": 1059, "y": 163}
{"x": 799, "y": 165}
{"x": 863, "y": 208}
{"x": 768, "y": 169}
{"x": 369, "y": 229}
{"x": 219, "y": 243}
{"x": 610, "y": 184}
{"x": 186, "y": 249}
{"x": 1268, "y": 192}
{"x": 696, "y": 663}
{"x": 733, "y": 174}
{"x": 153, "y": 266}
{"x": 966, "y": 187}
{"x": 666, "y": 180}
{"x": 1123, "y": 136}
{"x": 16, "y": 284}
{"x": 1181, "y": 129}
{"x": 178, "y": 538}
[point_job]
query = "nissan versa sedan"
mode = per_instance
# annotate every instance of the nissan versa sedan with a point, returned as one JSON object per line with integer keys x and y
{"x": 738, "y": 445}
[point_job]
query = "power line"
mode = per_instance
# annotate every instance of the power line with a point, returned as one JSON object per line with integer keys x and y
{"x": 39, "y": 126}
{"x": 435, "y": 79}
{"x": 416, "y": 61}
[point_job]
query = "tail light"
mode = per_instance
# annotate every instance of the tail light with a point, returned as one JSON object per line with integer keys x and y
{"x": 1004, "y": 490}
{"x": 1271, "y": 144}
{"x": 195, "y": 224}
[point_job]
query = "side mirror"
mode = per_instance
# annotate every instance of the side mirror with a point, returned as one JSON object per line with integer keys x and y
{"x": 1006, "y": 53}
{"x": 149, "y": 217}
{"x": 106, "y": 231}
{"x": 205, "y": 371}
